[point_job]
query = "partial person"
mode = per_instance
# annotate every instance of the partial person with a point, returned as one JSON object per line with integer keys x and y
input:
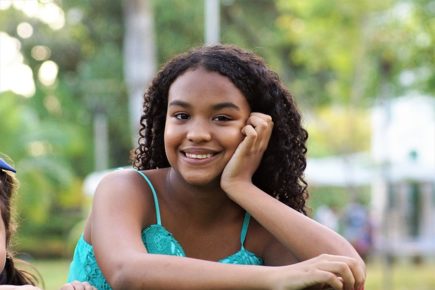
{"x": 12, "y": 277}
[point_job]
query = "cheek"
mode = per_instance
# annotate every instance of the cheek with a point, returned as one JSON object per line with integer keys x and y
{"x": 169, "y": 134}
{"x": 171, "y": 138}
{"x": 233, "y": 138}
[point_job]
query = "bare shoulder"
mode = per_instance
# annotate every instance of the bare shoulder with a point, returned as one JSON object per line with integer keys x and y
{"x": 123, "y": 183}
{"x": 126, "y": 192}
{"x": 117, "y": 180}
{"x": 122, "y": 206}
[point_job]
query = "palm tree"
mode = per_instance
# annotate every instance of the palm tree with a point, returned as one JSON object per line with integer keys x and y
{"x": 139, "y": 55}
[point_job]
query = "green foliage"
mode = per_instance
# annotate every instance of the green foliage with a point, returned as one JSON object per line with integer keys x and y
{"x": 246, "y": 23}
{"x": 335, "y": 130}
{"x": 337, "y": 197}
{"x": 178, "y": 26}
{"x": 49, "y": 135}
{"x": 361, "y": 45}
{"x": 53, "y": 272}
{"x": 335, "y": 30}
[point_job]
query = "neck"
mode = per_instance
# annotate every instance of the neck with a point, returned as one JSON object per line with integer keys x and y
{"x": 207, "y": 202}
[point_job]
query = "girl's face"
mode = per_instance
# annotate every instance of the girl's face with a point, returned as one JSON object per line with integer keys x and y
{"x": 205, "y": 115}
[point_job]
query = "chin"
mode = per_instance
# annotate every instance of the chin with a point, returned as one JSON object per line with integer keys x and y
{"x": 200, "y": 179}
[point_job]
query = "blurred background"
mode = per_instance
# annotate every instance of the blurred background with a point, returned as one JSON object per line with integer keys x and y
{"x": 72, "y": 75}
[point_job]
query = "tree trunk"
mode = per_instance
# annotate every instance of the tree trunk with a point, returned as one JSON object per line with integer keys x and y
{"x": 139, "y": 56}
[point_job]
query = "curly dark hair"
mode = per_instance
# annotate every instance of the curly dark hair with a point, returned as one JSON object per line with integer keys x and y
{"x": 280, "y": 172}
{"x": 11, "y": 274}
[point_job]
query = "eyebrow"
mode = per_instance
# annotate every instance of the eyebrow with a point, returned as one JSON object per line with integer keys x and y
{"x": 215, "y": 107}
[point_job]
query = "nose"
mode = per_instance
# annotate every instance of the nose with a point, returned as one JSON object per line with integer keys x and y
{"x": 199, "y": 131}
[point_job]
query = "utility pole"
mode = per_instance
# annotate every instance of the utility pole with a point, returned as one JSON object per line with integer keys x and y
{"x": 139, "y": 56}
{"x": 101, "y": 139}
{"x": 212, "y": 23}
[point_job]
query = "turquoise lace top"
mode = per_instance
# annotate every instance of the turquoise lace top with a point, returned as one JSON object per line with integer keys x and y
{"x": 157, "y": 240}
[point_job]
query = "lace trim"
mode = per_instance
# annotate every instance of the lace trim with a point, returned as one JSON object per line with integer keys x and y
{"x": 159, "y": 240}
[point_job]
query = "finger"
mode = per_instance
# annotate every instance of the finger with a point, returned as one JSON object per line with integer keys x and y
{"x": 263, "y": 125}
{"x": 266, "y": 117}
{"x": 356, "y": 267}
{"x": 260, "y": 121}
{"x": 330, "y": 279}
{"x": 358, "y": 270}
{"x": 78, "y": 285}
{"x": 67, "y": 286}
{"x": 341, "y": 269}
{"x": 87, "y": 286}
{"x": 250, "y": 137}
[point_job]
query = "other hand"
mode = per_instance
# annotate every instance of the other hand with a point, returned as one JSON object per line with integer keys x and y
{"x": 77, "y": 285}
{"x": 322, "y": 272}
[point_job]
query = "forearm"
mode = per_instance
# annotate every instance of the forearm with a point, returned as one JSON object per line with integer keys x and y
{"x": 305, "y": 237}
{"x": 150, "y": 271}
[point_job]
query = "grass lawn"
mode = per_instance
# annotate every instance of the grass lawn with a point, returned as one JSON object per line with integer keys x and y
{"x": 404, "y": 276}
{"x": 54, "y": 272}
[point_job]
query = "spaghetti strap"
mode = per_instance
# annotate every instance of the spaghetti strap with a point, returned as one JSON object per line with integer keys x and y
{"x": 156, "y": 201}
{"x": 244, "y": 230}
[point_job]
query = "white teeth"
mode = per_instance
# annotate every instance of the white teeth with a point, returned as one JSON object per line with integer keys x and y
{"x": 198, "y": 156}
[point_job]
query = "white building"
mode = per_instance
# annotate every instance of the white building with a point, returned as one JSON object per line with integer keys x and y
{"x": 403, "y": 195}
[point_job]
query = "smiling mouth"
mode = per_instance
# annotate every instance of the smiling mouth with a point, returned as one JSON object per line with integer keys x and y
{"x": 198, "y": 156}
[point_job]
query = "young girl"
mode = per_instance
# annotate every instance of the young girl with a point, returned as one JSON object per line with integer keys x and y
{"x": 9, "y": 274}
{"x": 12, "y": 278}
{"x": 217, "y": 197}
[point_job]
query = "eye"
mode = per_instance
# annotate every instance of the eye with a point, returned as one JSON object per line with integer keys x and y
{"x": 221, "y": 118}
{"x": 181, "y": 116}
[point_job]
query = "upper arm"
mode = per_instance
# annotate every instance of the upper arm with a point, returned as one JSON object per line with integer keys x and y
{"x": 119, "y": 210}
{"x": 276, "y": 254}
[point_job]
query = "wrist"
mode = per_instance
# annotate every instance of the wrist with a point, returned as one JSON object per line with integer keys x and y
{"x": 236, "y": 187}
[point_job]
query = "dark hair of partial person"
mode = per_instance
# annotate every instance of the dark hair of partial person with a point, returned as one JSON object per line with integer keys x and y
{"x": 280, "y": 172}
{"x": 11, "y": 275}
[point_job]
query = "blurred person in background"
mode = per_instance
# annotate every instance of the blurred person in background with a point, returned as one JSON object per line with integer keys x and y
{"x": 357, "y": 228}
{"x": 327, "y": 215}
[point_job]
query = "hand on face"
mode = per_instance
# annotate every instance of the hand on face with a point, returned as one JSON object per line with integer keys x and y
{"x": 322, "y": 272}
{"x": 248, "y": 154}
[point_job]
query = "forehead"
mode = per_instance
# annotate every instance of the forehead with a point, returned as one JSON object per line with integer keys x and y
{"x": 199, "y": 84}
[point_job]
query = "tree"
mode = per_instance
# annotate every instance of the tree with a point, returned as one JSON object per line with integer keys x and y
{"x": 139, "y": 55}
{"x": 49, "y": 135}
